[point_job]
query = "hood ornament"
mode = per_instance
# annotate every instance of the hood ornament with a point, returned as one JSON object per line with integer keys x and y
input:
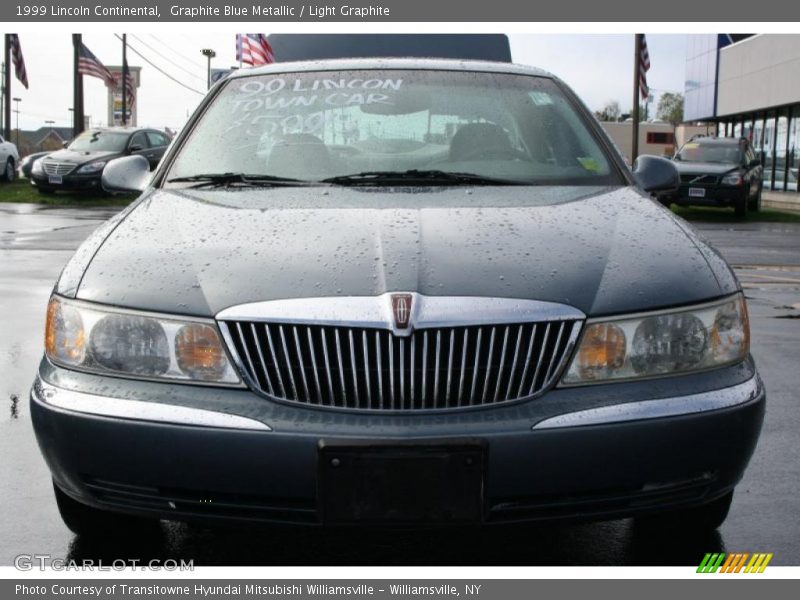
{"x": 401, "y": 309}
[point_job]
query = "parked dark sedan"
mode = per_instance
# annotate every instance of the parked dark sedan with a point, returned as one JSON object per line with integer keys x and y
{"x": 402, "y": 292}
{"x": 80, "y": 165}
{"x": 719, "y": 172}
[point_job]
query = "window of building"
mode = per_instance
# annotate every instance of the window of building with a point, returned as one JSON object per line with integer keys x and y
{"x": 793, "y": 157}
{"x": 660, "y": 137}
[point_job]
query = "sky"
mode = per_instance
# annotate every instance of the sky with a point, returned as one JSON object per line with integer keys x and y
{"x": 598, "y": 67}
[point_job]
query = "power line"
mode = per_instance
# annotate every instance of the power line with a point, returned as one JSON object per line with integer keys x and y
{"x": 159, "y": 69}
{"x": 137, "y": 38}
{"x": 171, "y": 49}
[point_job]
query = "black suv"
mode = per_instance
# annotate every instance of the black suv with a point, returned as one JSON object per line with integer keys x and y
{"x": 718, "y": 172}
{"x": 80, "y": 165}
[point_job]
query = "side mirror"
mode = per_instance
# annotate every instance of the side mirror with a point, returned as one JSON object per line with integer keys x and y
{"x": 65, "y": 143}
{"x": 126, "y": 174}
{"x": 135, "y": 148}
{"x": 656, "y": 174}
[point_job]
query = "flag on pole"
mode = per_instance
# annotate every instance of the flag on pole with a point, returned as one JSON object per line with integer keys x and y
{"x": 19, "y": 61}
{"x": 644, "y": 67}
{"x": 89, "y": 65}
{"x": 130, "y": 86}
{"x": 253, "y": 49}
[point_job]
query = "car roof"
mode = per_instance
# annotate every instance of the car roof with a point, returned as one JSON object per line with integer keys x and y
{"x": 429, "y": 64}
{"x": 722, "y": 141}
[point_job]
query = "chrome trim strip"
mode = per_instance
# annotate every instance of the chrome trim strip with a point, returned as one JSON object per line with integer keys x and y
{"x": 654, "y": 409}
{"x": 427, "y": 312}
{"x": 136, "y": 410}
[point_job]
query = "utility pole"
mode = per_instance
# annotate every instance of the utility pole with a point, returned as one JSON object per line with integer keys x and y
{"x": 77, "y": 87}
{"x": 16, "y": 110}
{"x": 637, "y": 58}
{"x": 7, "y": 88}
{"x": 124, "y": 79}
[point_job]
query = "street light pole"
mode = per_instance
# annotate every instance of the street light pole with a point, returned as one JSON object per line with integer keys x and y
{"x": 209, "y": 54}
{"x": 16, "y": 110}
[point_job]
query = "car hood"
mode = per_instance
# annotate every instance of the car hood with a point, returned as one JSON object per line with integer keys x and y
{"x": 703, "y": 168}
{"x": 80, "y": 157}
{"x": 601, "y": 250}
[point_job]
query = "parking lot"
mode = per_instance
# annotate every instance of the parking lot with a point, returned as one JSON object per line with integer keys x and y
{"x": 35, "y": 243}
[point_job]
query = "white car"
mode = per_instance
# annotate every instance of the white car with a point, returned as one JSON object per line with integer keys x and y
{"x": 9, "y": 159}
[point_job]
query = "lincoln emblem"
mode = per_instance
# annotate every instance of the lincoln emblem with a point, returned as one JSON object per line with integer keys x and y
{"x": 401, "y": 308}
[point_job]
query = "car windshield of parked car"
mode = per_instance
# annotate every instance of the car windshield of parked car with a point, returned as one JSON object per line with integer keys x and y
{"x": 103, "y": 141}
{"x": 343, "y": 126}
{"x": 713, "y": 153}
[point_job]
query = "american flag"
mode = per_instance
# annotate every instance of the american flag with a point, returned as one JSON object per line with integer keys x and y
{"x": 130, "y": 87}
{"x": 644, "y": 67}
{"x": 19, "y": 62}
{"x": 89, "y": 65}
{"x": 253, "y": 49}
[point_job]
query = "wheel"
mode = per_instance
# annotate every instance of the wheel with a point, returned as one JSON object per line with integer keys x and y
{"x": 755, "y": 203}
{"x": 706, "y": 517}
{"x": 10, "y": 171}
{"x": 92, "y": 522}
{"x": 741, "y": 207}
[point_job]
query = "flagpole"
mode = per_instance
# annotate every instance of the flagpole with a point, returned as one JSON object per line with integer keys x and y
{"x": 77, "y": 87}
{"x": 7, "y": 88}
{"x": 637, "y": 58}
{"x": 124, "y": 79}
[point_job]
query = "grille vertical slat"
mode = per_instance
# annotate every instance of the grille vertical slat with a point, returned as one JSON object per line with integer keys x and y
{"x": 353, "y": 367}
{"x": 261, "y": 359}
{"x": 487, "y": 375}
{"x": 274, "y": 357}
{"x": 340, "y": 364}
{"x": 301, "y": 364}
{"x": 373, "y": 369}
{"x": 540, "y": 359}
{"x": 475, "y": 366}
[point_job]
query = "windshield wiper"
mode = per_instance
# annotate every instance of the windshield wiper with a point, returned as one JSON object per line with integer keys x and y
{"x": 425, "y": 177}
{"x": 243, "y": 179}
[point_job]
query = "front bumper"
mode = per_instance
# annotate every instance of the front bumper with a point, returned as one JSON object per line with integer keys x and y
{"x": 594, "y": 452}
{"x": 69, "y": 183}
{"x": 715, "y": 195}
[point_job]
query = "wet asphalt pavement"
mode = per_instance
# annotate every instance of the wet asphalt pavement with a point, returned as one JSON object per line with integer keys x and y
{"x": 35, "y": 243}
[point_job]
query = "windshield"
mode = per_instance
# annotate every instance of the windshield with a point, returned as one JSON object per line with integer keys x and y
{"x": 105, "y": 141}
{"x": 339, "y": 126}
{"x": 716, "y": 153}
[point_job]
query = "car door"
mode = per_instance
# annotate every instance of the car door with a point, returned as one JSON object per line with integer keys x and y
{"x": 158, "y": 145}
{"x": 752, "y": 173}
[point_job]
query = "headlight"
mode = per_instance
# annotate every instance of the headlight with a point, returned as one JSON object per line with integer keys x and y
{"x": 37, "y": 167}
{"x": 662, "y": 343}
{"x": 732, "y": 179}
{"x": 98, "y": 339}
{"x": 92, "y": 167}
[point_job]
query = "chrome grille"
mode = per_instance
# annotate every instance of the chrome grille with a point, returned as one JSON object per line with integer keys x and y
{"x": 52, "y": 167}
{"x": 373, "y": 369}
{"x": 699, "y": 179}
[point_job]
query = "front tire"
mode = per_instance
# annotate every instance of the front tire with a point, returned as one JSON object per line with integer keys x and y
{"x": 699, "y": 518}
{"x": 741, "y": 206}
{"x": 94, "y": 523}
{"x": 10, "y": 171}
{"x": 755, "y": 203}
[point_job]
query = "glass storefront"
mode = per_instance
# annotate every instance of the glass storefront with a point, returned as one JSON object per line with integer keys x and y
{"x": 775, "y": 137}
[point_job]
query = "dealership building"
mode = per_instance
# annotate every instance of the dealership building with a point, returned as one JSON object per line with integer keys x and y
{"x": 748, "y": 85}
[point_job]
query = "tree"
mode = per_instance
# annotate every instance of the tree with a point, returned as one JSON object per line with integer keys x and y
{"x": 610, "y": 112}
{"x": 670, "y": 108}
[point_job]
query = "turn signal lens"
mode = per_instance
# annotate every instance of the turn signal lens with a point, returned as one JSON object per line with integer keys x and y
{"x": 602, "y": 351}
{"x": 64, "y": 338}
{"x": 730, "y": 336}
{"x": 199, "y": 352}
